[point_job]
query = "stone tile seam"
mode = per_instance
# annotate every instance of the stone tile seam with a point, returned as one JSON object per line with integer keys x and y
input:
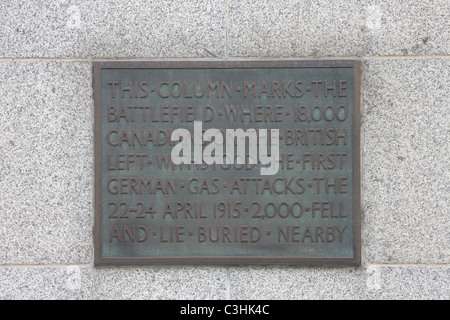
{"x": 24, "y": 266}
{"x": 48, "y": 59}
{"x": 228, "y": 285}
{"x": 400, "y": 265}
{"x": 225, "y": 58}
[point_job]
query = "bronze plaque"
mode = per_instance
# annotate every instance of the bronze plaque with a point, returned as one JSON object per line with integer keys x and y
{"x": 227, "y": 162}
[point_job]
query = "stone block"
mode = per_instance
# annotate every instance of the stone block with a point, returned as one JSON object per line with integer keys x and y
{"x": 310, "y": 28}
{"x": 84, "y": 282}
{"x": 132, "y": 29}
{"x": 370, "y": 282}
{"x": 46, "y": 163}
{"x": 406, "y": 162}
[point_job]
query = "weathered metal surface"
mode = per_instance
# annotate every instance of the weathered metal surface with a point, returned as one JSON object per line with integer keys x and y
{"x": 151, "y": 211}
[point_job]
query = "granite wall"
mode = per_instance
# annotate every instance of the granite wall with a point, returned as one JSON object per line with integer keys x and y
{"x": 47, "y": 49}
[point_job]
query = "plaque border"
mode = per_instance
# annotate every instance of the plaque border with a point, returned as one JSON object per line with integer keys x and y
{"x": 99, "y": 65}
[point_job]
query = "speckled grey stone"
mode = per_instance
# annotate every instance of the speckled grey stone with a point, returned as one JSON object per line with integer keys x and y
{"x": 42, "y": 283}
{"x": 272, "y": 283}
{"x": 112, "y": 28}
{"x": 406, "y": 160}
{"x": 370, "y": 282}
{"x": 46, "y": 172}
{"x": 410, "y": 282}
{"x": 289, "y": 28}
{"x": 161, "y": 283}
{"x": 84, "y": 282}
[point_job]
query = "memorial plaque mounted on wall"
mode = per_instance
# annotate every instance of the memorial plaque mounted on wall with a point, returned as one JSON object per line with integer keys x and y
{"x": 227, "y": 162}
